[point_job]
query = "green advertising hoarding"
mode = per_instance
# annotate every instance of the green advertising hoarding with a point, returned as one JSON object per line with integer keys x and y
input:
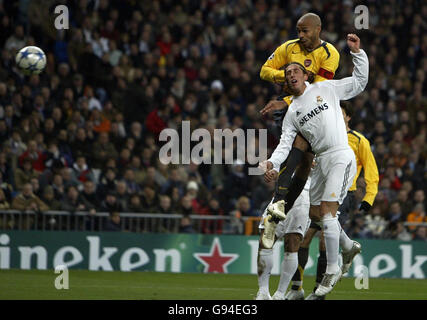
{"x": 121, "y": 251}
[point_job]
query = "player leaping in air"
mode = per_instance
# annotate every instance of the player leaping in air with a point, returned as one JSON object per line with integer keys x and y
{"x": 321, "y": 61}
{"x": 316, "y": 115}
{"x": 366, "y": 161}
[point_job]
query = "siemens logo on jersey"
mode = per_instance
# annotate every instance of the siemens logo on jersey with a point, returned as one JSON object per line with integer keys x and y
{"x": 313, "y": 113}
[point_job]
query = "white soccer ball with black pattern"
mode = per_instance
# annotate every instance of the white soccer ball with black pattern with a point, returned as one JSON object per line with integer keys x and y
{"x": 31, "y": 60}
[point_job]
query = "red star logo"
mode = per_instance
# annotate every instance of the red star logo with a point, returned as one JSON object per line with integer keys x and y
{"x": 215, "y": 260}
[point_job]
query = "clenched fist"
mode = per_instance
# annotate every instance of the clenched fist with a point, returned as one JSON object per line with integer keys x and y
{"x": 353, "y": 42}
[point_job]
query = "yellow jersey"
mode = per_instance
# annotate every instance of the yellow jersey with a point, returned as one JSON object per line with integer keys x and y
{"x": 322, "y": 61}
{"x": 365, "y": 159}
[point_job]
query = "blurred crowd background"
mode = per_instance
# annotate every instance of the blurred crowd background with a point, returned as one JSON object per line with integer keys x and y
{"x": 83, "y": 136}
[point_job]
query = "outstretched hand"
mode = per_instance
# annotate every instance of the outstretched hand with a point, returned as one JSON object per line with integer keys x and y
{"x": 353, "y": 42}
{"x": 273, "y": 105}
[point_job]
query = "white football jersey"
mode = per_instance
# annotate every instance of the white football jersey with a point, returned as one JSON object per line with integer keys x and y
{"x": 317, "y": 114}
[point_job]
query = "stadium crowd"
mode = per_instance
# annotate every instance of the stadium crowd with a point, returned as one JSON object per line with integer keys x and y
{"x": 83, "y": 135}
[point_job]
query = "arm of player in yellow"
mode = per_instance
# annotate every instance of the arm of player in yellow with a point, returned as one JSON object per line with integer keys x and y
{"x": 370, "y": 170}
{"x": 328, "y": 65}
{"x": 270, "y": 70}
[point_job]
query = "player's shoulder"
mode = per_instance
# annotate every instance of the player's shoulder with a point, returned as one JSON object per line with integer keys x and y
{"x": 358, "y": 135}
{"x": 329, "y": 50}
{"x": 289, "y": 44}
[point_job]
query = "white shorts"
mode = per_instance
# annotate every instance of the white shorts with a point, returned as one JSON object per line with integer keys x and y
{"x": 332, "y": 176}
{"x": 297, "y": 219}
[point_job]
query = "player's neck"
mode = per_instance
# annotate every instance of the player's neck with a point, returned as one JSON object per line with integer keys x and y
{"x": 301, "y": 91}
{"x": 316, "y": 45}
{"x": 347, "y": 127}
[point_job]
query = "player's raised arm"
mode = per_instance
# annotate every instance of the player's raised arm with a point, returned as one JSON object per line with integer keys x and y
{"x": 289, "y": 132}
{"x": 350, "y": 87}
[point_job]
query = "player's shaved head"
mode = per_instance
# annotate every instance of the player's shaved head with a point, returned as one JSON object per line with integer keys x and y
{"x": 310, "y": 18}
{"x": 308, "y": 28}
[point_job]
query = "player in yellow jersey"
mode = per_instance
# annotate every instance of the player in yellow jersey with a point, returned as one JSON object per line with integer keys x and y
{"x": 318, "y": 57}
{"x": 366, "y": 161}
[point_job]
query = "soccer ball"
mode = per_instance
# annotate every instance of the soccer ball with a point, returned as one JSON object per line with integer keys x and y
{"x": 31, "y": 60}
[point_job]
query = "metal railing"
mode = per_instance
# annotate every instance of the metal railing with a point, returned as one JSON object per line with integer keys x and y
{"x": 133, "y": 222}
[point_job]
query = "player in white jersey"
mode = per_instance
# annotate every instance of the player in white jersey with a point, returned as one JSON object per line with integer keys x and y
{"x": 316, "y": 114}
{"x": 292, "y": 229}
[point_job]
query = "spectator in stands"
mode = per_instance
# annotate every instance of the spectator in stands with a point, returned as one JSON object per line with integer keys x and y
{"x": 114, "y": 222}
{"x": 53, "y": 155}
{"x": 212, "y": 209}
{"x": 186, "y": 206}
{"x": 135, "y": 204}
{"x": 72, "y": 201}
{"x": 243, "y": 205}
{"x": 158, "y": 119}
{"x": 395, "y": 214}
{"x": 185, "y": 225}
{"x": 15, "y": 143}
{"x": 4, "y": 203}
{"x": 236, "y": 182}
{"x": 122, "y": 195}
{"x": 49, "y": 198}
{"x": 235, "y": 225}
{"x": 107, "y": 182}
{"x": 68, "y": 178}
{"x": 82, "y": 145}
{"x": 421, "y": 233}
{"x": 24, "y": 174}
{"x": 192, "y": 193}
{"x": 16, "y": 41}
{"x": 419, "y": 198}
{"x": 418, "y": 215}
{"x": 89, "y": 196}
{"x": 6, "y": 187}
{"x": 375, "y": 222}
{"x": 401, "y": 232}
{"x": 129, "y": 179}
{"x": 123, "y": 160}
{"x": 174, "y": 181}
{"x": 26, "y": 200}
{"x": 110, "y": 203}
{"x": 36, "y": 157}
{"x": 6, "y": 169}
{"x": 358, "y": 229}
{"x": 100, "y": 122}
{"x": 165, "y": 204}
{"x": 36, "y": 187}
{"x": 102, "y": 150}
{"x": 58, "y": 186}
{"x": 138, "y": 171}
{"x": 49, "y": 131}
{"x": 81, "y": 171}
